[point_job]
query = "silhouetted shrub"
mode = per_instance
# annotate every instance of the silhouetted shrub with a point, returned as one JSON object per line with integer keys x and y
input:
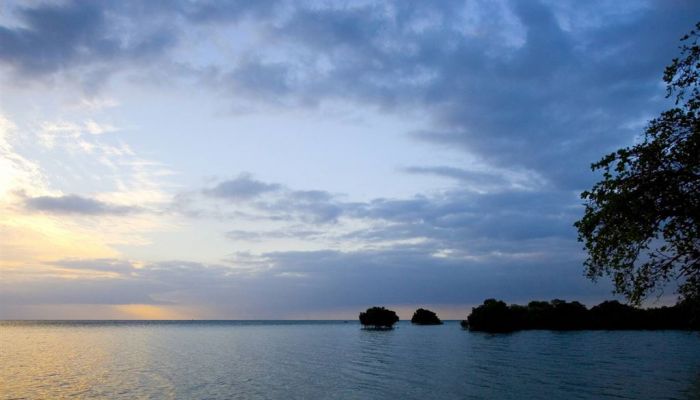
{"x": 425, "y": 317}
{"x": 495, "y": 316}
{"x": 492, "y": 316}
{"x": 378, "y": 318}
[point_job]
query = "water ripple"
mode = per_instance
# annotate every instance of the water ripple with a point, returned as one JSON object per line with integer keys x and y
{"x": 242, "y": 360}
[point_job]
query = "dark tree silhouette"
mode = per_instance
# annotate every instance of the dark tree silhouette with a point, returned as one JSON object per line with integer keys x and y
{"x": 497, "y": 317}
{"x": 492, "y": 316}
{"x": 425, "y": 317}
{"x": 378, "y": 318}
{"x": 642, "y": 221}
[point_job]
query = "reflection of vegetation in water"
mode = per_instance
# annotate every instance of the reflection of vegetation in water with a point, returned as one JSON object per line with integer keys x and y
{"x": 497, "y": 316}
{"x": 378, "y": 318}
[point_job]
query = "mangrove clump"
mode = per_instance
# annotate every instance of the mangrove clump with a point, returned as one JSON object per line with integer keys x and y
{"x": 378, "y": 318}
{"x": 496, "y": 316}
{"x": 425, "y": 317}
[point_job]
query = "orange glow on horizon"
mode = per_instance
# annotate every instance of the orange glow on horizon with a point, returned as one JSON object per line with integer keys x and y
{"x": 149, "y": 311}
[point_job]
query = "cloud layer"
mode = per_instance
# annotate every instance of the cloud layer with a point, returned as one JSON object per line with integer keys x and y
{"x": 512, "y": 99}
{"x": 74, "y": 204}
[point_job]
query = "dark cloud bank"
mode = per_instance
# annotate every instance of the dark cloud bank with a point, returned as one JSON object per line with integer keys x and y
{"x": 545, "y": 87}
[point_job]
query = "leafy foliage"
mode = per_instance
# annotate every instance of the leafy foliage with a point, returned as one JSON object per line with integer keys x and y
{"x": 642, "y": 221}
{"x": 379, "y": 318}
{"x": 425, "y": 317}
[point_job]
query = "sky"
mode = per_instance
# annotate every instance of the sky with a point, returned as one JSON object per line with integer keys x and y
{"x": 307, "y": 160}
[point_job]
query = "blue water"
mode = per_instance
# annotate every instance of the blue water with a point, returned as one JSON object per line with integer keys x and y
{"x": 324, "y": 360}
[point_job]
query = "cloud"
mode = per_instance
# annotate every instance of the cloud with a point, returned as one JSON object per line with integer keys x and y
{"x": 209, "y": 11}
{"x": 287, "y": 233}
{"x": 291, "y": 283}
{"x": 453, "y": 217}
{"x": 52, "y": 291}
{"x": 74, "y": 204}
{"x": 53, "y": 37}
{"x": 462, "y": 225}
{"x": 481, "y": 181}
{"x": 97, "y": 265}
{"x": 71, "y": 134}
{"x": 244, "y": 187}
{"x": 533, "y": 91}
{"x": 455, "y": 173}
{"x": 275, "y": 200}
{"x": 266, "y": 80}
{"x": 521, "y": 85}
{"x": 313, "y": 206}
{"x": 465, "y": 220}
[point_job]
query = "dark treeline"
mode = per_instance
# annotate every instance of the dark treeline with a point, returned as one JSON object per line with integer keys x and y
{"x": 497, "y": 316}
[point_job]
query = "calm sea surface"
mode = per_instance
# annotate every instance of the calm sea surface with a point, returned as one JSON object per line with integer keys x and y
{"x": 322, "y": 360}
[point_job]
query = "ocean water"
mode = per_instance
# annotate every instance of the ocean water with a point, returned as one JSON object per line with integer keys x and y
{"x": 327, "y": 360}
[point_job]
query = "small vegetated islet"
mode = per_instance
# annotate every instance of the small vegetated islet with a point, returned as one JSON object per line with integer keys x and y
{"x": 378, "y": 318}
{"x": 425, "y": 317}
